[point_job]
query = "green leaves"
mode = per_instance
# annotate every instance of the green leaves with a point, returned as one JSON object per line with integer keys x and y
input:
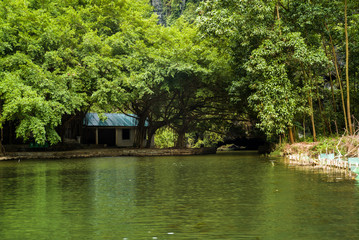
{"x": 56, "y": 58}
{"x": 276, "y": 71}
{"x": 37, "y": 116}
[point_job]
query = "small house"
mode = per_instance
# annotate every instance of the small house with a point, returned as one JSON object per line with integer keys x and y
{"x": 117, "y": 130}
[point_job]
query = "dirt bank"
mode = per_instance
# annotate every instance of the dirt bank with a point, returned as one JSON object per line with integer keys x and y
{"x": 106, "y": 152}
{"x": 297, "y": 148}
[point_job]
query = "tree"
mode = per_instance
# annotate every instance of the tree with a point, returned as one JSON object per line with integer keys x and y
{"x": 256, "y": 29}
{"x": 57, "y": 56}
{"x": 347, "y": 68}
{"x": 33, "y": 93}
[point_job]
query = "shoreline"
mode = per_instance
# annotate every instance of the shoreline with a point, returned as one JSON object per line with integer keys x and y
{"x": 107, "y": 152}
{"x": 332, "y": 174}
{"x": 305, "y": 154}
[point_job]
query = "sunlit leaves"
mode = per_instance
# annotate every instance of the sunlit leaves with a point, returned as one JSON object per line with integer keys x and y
{"x": 56, "y": 58}
{"x": 279, "y": 94}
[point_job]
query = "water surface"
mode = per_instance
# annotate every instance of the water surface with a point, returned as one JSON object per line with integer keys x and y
{"x": 222, "y": 196}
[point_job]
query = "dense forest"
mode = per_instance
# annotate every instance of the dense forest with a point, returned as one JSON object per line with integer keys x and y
{"x": 197, "y": 71}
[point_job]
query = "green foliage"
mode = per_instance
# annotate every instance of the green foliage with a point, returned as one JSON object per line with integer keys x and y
{"x": 281, "y": 54}
{"x": 275, "y": 76}
{"x": 325, "y": 145}
{"x": 208, "y": 139}
{"x": 56, "y": 58}
{"x": 174, "y": 9}
{"x": 165, "y": 138}
{"x": 267, "y": 62}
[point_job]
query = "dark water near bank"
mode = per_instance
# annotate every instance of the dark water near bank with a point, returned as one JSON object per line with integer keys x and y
{"x": 223, "y": 196}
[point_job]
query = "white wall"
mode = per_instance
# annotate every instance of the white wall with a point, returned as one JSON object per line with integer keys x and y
{"x": 128, "y": 143}
{"x": 124, "y": 143}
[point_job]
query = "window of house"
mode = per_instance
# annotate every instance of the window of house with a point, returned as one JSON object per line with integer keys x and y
{"x": 126, "y": 134}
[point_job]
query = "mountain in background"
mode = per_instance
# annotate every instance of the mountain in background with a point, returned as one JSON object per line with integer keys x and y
{"x": 169, "y": 11}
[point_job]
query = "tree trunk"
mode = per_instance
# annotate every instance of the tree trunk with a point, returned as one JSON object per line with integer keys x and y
{"x": 2, "y": 149}
{"x": 304, "y": 128}
{"x": 347, "y": 69}
{"x": 149, "y": 139}
{"x": 330, "y": 78}
{"x": 332, "y": 91}
{"x": 321, "y": 110}
{"x": 339, "y": 81}
{"x": 151, "y": 130}
{"x": 291, "y": 136}
{"x": 336, "y": 127}
{"x": 150, "y": 133}
{"x": 181, "y": 139}
{"x": 2, "y": 152}
{"x": 310, "y": 102}
{"x": 312, "y": 117}
{"x": 11, "y": 133}
{"x": 278, "y": 18}
{"x": 140, "y": 132}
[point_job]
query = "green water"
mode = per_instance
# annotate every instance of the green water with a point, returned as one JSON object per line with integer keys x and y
{"x": 223, "y": 196}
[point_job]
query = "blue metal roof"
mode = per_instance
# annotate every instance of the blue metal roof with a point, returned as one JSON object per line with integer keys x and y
{"x": 113, "y": 120}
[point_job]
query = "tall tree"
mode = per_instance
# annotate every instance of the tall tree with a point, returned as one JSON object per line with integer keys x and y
{"x": 347, "y": 67}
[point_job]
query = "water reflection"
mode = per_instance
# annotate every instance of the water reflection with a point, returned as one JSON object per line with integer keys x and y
{"x": 193, "y": 197}
{"x": 223, "y": 196}
{"x": 327, "y": 174}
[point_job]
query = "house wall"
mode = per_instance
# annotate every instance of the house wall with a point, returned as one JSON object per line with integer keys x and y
{"x": 120, "y": 142}
{"x": 91, "y": 135}
{"x": 125, "y": 142}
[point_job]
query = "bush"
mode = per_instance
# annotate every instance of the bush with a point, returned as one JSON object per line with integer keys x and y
{"x": 165, "y": 137}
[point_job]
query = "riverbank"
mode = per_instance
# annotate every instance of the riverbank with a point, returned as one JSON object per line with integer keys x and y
{"x": 330, "y": 153}
{"x": 346, "y": 146}
{"x": 106, "y": 152}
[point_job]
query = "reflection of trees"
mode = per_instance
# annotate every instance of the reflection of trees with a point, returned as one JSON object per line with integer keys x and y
{"x": 38, "y": 198}
{"x": 219, "y": 196}
{"x": 113, "y": 198}
{"x": 201, "y": 193}
{"x": 302, "y": 203}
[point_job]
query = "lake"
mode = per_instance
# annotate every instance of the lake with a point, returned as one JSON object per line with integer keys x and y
{"x": 223, "y": 196}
